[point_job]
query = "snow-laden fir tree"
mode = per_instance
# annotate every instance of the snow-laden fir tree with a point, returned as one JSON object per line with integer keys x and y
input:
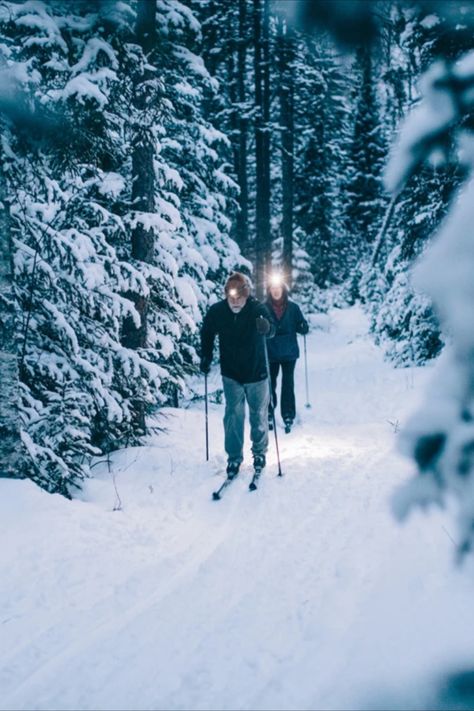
{"x": 73, "y": 215}
{"x": 12, "y": 460}
{"x": 321, "y": 136}
{"x": 363, "y": 197}
{"x": 401, "y": 318}
{"x": 227, "y": 50}
{"x": 440, "y": 436}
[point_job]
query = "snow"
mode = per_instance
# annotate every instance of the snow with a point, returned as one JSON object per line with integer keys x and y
{"x": 112, "y": 184}
{"x": 306, "y": 594}
{"x": 89, "y": 57}
{"x": 40, "y": 20}
{"x": 430, "y": 21}
{"x": 445, "y": 270}
{"x": 184, "y": 288}
{"x": 194, "y": 62}
{"x": 426, "y": 121}
{"x": 179, "y": 15}
{"x": 154, "y": 221}
{"x": 185, "y": 88}
{"x": 85, "y": 86}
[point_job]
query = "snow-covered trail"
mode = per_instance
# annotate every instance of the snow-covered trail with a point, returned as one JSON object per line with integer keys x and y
{"x": 305, "y": 594}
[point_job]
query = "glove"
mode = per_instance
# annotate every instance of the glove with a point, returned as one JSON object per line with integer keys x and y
{"x": 263, "y": 325}
{"x": 304, "y": 328}
{"x": 205, "y": 365}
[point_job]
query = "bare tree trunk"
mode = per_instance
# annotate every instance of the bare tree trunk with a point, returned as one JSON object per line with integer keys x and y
{"x": 143, "y": 180}
{"x": 210, "y": 36}
{"x": 12, "y": 460}
{"x": 267, "y": 238}
{"x": 286, "y": 52}
{"x": 143, "y": 177}
{"x": 243, "y": 216}
{"x": 233, "y": 90}
{"x": 262, "y": 143}
{"x": 143, "y": 188}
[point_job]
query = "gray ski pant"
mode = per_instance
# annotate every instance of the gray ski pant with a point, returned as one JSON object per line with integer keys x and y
{"x": 258, "y": 398}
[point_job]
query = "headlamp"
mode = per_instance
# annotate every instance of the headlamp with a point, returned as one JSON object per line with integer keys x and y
{"x": 276, "y": 279}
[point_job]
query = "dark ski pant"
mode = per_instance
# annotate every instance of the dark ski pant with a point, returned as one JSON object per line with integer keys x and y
{"x": 257, "y": 396}
{"x": 287, "y": 401}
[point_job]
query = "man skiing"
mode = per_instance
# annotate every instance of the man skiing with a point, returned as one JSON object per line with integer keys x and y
{"x": 242, "y": 324}
{"x": 283, "y": 350}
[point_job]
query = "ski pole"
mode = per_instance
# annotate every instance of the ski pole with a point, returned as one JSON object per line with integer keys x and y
{"x": 280, "y": 473}
{"x": 207, "y": 417}
{"x": 306, "y": 373}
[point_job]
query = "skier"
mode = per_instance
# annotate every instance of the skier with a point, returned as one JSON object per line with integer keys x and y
{"x": 283, "y": 350}
{"x": 241, "y": 322}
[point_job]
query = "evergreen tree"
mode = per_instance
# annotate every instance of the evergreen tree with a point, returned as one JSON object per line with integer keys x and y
{"x": 321, "y": 135}
{"x": 74, "y": 208}
{"x": 401, "y": 318}
{"x": 364, "y": 191}
{"x": 12, "y": 462}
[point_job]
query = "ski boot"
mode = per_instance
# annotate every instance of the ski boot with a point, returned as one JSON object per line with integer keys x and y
{"x": 233, "y": 467}
{"x": 258, "y": 465}
{"x": 288, "y": 424}
{"x": 232, "y": 470}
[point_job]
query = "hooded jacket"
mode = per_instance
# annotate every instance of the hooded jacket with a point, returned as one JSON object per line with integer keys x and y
{"x": 284, "y": 346}
{"x": 241, "y": 347}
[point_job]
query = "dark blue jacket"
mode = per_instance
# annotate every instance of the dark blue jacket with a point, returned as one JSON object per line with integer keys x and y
{"x": 284, "y": 345}
{"x": 241, "y": 347}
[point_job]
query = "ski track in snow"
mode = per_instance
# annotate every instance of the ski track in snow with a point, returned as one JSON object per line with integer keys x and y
{"x": 303, "y": 594}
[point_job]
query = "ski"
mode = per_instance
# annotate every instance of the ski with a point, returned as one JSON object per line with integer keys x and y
{"x": 254, "y": 483}
{"x": 216, "y": 495}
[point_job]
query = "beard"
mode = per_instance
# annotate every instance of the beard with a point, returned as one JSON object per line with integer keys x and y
{"x": 236, "y": 309}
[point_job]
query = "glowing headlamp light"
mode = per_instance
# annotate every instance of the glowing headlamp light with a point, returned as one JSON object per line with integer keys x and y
{"x": 276, "y": 280}
{"x": 233, "y": 292}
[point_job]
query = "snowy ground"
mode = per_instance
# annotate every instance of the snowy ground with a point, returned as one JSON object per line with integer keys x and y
{"x": 304, "y": 595}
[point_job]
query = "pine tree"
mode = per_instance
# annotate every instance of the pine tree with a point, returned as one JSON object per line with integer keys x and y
{"x": 74, "y": 207}
{"x": 322, "y": 135}
{"x": 364, "y": 191}
{"x": 402, "y": 319}
{"x": 12, "y": 460}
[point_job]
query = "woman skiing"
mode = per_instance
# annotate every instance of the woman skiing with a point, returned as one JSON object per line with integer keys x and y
{"x": 283, "y": 350}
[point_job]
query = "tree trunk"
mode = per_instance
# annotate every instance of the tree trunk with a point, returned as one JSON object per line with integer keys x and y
{"x": 233, "y": 90}
{"x": 210, "y": 27}
{"x": 143, "y": 188}
{"x": 143, "y": 177}
{"x": 12, "y": 460}
{"x": 243, "y": 216}
{"x": 266, "y": 137}
{"x": 143, "y": 180}
{"x": 262, "y": 144}
{"x": 287, "y": 146}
